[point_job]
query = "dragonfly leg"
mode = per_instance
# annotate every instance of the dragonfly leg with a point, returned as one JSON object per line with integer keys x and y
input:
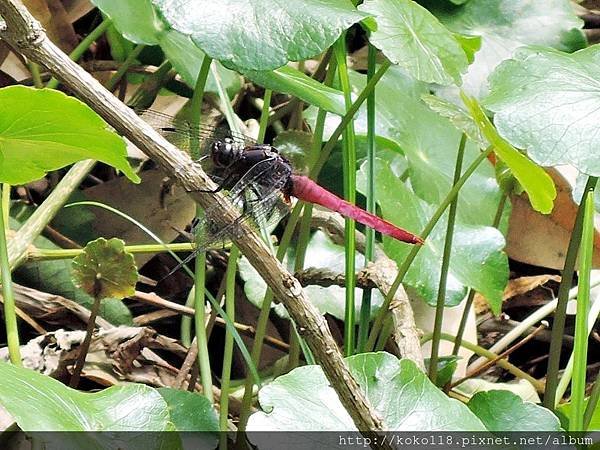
{"x": 211, "y": 191}
{"x": 225, "y": 182}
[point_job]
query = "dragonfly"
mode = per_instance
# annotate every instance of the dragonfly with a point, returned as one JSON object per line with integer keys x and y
{"x": 258, "y": 180}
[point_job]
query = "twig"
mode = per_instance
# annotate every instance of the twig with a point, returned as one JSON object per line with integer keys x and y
{"x": 48, "y": 306}
{"x": 187, "y": 311}
{"x": 326, "y": 277}
{"x": 187, "y": 364}
{"x": 406, "y": 334}
{"x": 502, "y": 356}
{"x": 23, "y": 315}
{"x": 502, "y": 326}
{"x": 154, "y": 316}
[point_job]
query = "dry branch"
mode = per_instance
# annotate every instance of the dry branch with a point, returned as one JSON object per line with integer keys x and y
{"x": 26, "y": 35}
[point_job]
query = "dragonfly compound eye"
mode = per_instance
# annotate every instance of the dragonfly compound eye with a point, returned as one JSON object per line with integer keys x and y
{"x": 222, "y": 153}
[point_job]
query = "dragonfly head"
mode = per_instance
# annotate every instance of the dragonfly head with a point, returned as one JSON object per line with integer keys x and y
{"x": 225, "y": 152}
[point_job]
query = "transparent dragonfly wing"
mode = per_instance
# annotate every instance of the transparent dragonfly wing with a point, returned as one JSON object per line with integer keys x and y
{"x": 181, "y": 132}
{"x": 257, "y": 197}
{"x": 258, "y": 200}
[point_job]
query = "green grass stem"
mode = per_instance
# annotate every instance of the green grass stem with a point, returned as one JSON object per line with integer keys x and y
{"x": 441, "y": 295}
{"x": 10, "y": 313}
{"x": 580, "y": 347}
{"x": 558, "y": 325}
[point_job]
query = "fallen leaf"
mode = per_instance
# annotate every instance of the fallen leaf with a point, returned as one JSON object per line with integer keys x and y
{"x": 542, "y": 240}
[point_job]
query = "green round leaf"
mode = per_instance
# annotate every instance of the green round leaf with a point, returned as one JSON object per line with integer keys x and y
{"x": 136, "y": 20}
{"x": 105, "y": 269}
{"x": 260, "y": 34}
{"x": 413, "y": 38}
{"x": 404, "y": 397}
{"x": 54, "y": 276}
{"x": 505, "y": 25}
{"x": 190, "y": 411}
{"x": 504, "y": 411}
{"x": 548, "y": 103}
{"x": 40, "y": 403}
{"x": 43, "y": 130}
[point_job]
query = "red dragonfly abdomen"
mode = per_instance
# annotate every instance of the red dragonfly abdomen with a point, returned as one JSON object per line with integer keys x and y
{"x": 306, "y": 189}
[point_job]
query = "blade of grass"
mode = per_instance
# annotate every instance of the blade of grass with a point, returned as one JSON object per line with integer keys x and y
{"x": 386, "y": 332}
{"x": 349, "y": 180}
{"x": 592, "y": 403}
{"x": 463, "y": 321}
{"x": 415, "y": 249}
{"x": 149, "y": 89}
{"x": 281, "y": 250}
{"x": 263, "y": 318}
{"x": 6, "y": 202}
{"x": 200, "y": 262}
{"x": 558, "y": 325}
{"x": 200, "y": 325}
{"x": 287, "y": 235}
{"x": 307, "y": 208}
{"x": 304, "y": 233}
{"x": 294, "y": 351}
{"x": 228, "y": 348}
{"x": 348, "y": 117}
{"x": 196, "y": 108}
{"x": 441, "y": 297}
{"x": 36, "y": 77}
{"x": 592, "y": 316}
{"x": 306, "y": 351}
{"x": 580, "y": 346}
{"x": 232, "y": 119}
{"x": 365, "y": 306}
{"x": 10, "y": 313}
